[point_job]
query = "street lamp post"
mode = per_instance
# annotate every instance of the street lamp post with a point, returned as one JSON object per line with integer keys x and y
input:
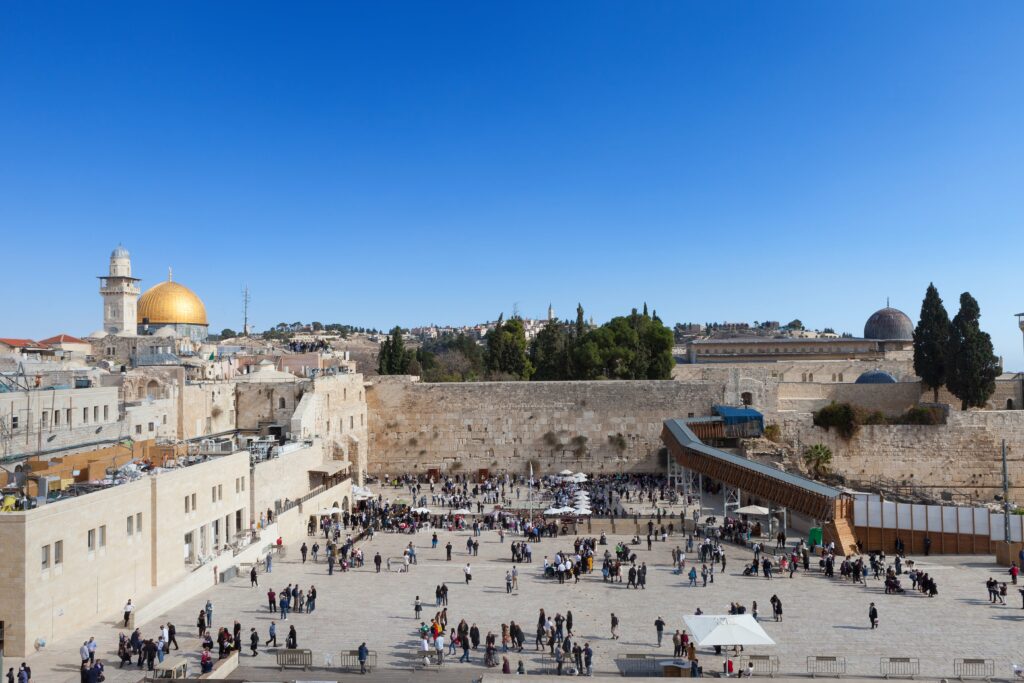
{"x": 1020, "y": 375}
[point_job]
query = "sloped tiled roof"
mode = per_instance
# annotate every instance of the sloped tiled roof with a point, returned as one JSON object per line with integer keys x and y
{"x": 63, "y": 339}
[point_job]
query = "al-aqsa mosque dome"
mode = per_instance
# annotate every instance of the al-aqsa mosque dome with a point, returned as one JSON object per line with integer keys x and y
{"x": 889, "y": 324}
{"x": 172, "y": 305}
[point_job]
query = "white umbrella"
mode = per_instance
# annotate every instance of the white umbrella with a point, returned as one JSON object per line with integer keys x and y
{"x": 568, "y": 509}
{"x": 579, "y": 477}
{"x": 584, "y": 512}
{"x": 462, "y": 511}
{"x": 566, "y": 473}
{"x": 752, "y": 510}
{"x": 726, "y": 629}
{"x": 425, "y": 511}
{"x": 553, "y": 511}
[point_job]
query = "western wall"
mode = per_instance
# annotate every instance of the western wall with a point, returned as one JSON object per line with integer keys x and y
{"x": 417, "y": 427}
{"x": 596, "y": 427}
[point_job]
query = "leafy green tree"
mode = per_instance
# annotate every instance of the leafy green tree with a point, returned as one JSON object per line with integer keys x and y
{"x": 318, "y": 326}
{"x": 549, "y": 353}
{"x": 506, "y": 355}
{"x": 393, "y": 359}
{"x": 931, "y": 341}
{"x": 795, "y": 324}
{"x": 971, "y": 364}
{"x": 228, "y": 333}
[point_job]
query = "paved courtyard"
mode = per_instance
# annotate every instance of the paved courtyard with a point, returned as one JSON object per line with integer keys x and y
{"x": 823, "y": 616}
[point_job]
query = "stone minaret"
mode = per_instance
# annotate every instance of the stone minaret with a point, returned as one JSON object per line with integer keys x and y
{"x": 120, "y": 292}
{"x": 551, "y": 312}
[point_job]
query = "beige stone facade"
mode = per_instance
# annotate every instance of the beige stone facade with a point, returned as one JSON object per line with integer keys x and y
{"x": 501, "y": 426}
{"x": 73, "y": 562}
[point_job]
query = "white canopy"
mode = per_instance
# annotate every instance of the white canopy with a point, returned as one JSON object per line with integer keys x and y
{"x": 462, "y": 511}
{"x": 726, "y": 629}
{"x": 553, "y": 511}
{"x": 424, "y": 511}
{"x": 753, "y": 510}
{"x": 565, "y": 473}
{"x": 579, "y": 477}
{"x": 584, "y": 512}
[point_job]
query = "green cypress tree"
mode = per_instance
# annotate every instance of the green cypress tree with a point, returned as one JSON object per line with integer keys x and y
{"x": 931, "y": 341}
{"x": 971, "y": 364}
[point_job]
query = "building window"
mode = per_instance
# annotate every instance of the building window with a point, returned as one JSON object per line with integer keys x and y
{"x": 361, "y": 419}
{"x": 46, "y": 557}
{"x": 151, "y": 426}
{"x": 213, "y": 494}
{"x": 344, "y": 394}
{"x": 810, "y": 377}
{"x": 68, "y": 420}
{"x": 85, "y": 416}
{"x": 95, "y": 413}
{"x": 103, "y": 536}
{"x": 46, "y": 419}
{"x": 131, "y": 525}
{"x": 193, "y": 501}
{"x": 165, "y": 418}
{"x": 58, "y": 553}
{"x": 106, "y": 413}
{"x": 281, "y": 403}
{"x": 14, "y": 421}
{"x": 188, "y": 500}
{"x": 56, "y": 418}
{"x": 747, "y": 398}
{"x": 138, "y": 429}
{"x": 138, "y": 523}
{"x": 351, "y": 421}
{"x": 92, "y": 539}
{"x": 220, "y": 491}
{"x": 238, "y": 485}
{"x": 840, "y": 377}
{"x": 243, "y": 483}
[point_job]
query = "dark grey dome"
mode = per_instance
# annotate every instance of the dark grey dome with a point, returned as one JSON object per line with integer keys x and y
{"x": 120, "y": 252}
{"x": 889, "y": 324}
{"x": 876, "y": 377}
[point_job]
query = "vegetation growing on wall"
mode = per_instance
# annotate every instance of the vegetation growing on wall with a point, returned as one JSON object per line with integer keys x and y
{"x": 846, "y": 419}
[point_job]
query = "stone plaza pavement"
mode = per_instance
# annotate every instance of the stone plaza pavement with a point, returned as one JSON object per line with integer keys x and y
{"x": 822, "y": 616}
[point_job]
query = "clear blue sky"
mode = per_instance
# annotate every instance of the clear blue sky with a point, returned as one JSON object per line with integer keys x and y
{"x": 378, "y": 163}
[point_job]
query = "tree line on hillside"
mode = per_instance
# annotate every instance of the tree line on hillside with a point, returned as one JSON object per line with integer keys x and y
{"x": 955, "y": 353}
{"x": 634, "y": 346}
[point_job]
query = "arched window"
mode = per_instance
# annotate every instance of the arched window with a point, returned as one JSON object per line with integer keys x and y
{"x": 152, "y": 389}
{"x": 281, "y": 403}
{"x": 1009, "y": 404}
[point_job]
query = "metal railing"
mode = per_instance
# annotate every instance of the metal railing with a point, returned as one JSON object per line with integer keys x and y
{"x": 974, "y": 668}
{"x": 760, "y": 665}
{"x": 826, "y": 666}
{"x": 900, "y": 667}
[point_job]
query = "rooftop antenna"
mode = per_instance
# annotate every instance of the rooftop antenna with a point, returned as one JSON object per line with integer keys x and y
{"x": 245, "y": 309}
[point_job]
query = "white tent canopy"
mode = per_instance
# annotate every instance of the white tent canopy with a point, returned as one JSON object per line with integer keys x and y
{"x": 726, "y": 629}
{"x": 425, "y": 511}
{"x": 752, "y": 510}
{"x": 565, "y": 473}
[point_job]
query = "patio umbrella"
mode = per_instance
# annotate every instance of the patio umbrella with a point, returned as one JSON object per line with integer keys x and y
{"x": 423, "y": 511}
{"x": 566, "y": 473}
{"x": 553, "y": 511}
{"x": 726, "y": 629}
{"x": 752, "y": 510}
{"x": 584, "y": 512}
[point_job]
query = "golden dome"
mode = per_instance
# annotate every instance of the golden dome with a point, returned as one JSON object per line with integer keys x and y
{"x": 170, "y": 303}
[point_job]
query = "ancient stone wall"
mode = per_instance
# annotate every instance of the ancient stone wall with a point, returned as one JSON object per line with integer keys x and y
{"x": 607, "y": 426}
{"x": 960, "y": 459}
{"x": 891, "y": 399}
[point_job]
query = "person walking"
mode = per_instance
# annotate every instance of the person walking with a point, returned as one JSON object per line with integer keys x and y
{"x": 292, "y": 641}
{"x": 376, "y": 562}
{"x": 254, "y": 641}
{"x": 272, "y": 637}
{"x": 303, "y": 550}
{"x": 417, "y": 607}
{"x": 659, "y": 627}
{"x": 172, "y": 636}
{"x": 873, "y": 616}
{"x": 468, "y": 571}
{"x": 128, "y": 609}
{"x": 253, "y": 582}
{"x": 508, "y": 582}
{"x": 448, "y": 551}
{"x": 615, "y": 627}
{"x": 209, "y": 614}
{"x": 272, "y": 600}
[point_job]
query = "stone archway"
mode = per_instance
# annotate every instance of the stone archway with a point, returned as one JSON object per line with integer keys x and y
{"x": 152, "y": 390}
{"x": 345, "y": 505}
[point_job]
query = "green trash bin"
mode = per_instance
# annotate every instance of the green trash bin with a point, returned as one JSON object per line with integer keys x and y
{"x": 814, "y": 536}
